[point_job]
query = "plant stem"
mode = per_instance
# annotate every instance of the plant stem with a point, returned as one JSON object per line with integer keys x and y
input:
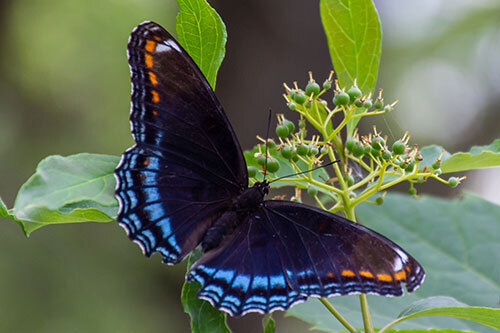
{"x": 365, "y": 310}
{"x": 337, "y": 315}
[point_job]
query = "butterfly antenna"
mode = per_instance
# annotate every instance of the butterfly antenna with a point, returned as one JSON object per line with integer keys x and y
{"x": 300, "y": 173}
{"x": 267, "y": 141}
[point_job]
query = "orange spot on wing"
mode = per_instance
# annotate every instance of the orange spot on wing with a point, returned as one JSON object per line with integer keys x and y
{"x": 155, "y": 113}
{"x": 408, "y": 268}
{"x": 145, "y": 162}
{"x": 148, "y": 60}
{"x": 150, "y": 46}
{"x": 401, "y": 275}
{"x": 152, "y": 78}
{"x": 366, "y": 274}
{"x": 348, "y": 273}
{"x": 157, "y": 38}
{"x": 156, "y": 96}
{"x": 384, "y": 277}
{"x": 329, "y": 274}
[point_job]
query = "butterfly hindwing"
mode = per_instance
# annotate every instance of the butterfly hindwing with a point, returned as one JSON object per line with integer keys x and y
{"x": 245, "y": 274}
{"x": 306, "y": 252}
{"x": 187, "y": 163}
{"x": 335, "y": 256}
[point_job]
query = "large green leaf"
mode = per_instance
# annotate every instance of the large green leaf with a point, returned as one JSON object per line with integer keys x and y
{"x": 457, "y": 243}
{"x": 77, "y": 188}
{"x": 478, "y": 157}
{"x": 447, "y": 306}
{"x": 202, "y": 33}
{"x": 354, "y": 39}
{"x": 204, "y": 317}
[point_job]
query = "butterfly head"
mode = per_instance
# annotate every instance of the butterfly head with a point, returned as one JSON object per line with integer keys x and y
{"x": 262, "y": 187}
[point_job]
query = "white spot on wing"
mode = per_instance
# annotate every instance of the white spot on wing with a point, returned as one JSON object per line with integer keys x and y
{"x": 173, "y": 45}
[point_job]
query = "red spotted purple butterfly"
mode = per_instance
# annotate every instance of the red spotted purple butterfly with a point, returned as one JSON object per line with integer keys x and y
{"x": 185, "y": 183}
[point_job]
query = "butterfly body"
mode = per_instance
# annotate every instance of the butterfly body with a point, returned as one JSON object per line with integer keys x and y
{"x": 185, "y": 183}
{"x": 242, "y": 206}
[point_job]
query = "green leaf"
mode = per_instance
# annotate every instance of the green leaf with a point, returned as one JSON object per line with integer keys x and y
{"x": 4, "y": 212}
{"x": 202, "y": 33}
{"x": 268, "y": 325}
{"x": 446, "y": 330}
{"x": 447, "y": 306}
{"x": 431, "y": 302}
{"x": 478, "y": 157}
{"x": 204, "y": 317}
{"x": 77, "y": 188}
{"x": 457, "y": 243}
{"x": 354, "y": 38}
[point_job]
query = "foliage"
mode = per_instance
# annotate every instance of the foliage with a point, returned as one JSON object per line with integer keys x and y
{"x": 456, "y": 253}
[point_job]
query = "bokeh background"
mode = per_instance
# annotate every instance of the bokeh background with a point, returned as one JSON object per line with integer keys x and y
{"x": 64, "y": 89}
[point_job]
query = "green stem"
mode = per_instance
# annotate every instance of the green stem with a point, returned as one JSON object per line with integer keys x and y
{"x": 337, "y": 315}
{"x": 365, "y": 310}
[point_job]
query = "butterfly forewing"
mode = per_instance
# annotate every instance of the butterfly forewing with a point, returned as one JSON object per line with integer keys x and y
{"x": 187, "y": 163}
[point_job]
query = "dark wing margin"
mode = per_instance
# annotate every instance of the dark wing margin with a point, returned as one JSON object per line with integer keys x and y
{"x": 187, "y": 163}
{"x": 335, "y": 256}
{"x": 286, "y": 252}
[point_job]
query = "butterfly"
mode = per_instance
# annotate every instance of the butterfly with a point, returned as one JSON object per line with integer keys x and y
{"x": 185, "y": 183}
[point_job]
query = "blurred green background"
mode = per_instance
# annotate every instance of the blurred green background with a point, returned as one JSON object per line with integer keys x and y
{"x": 64, "y": 89}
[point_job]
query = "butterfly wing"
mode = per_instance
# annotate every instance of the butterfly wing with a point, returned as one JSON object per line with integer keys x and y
{"x": 288, "y": 251}
{"x": 335, "y": 256}
{"x": 245, "y": 273}
{"x": 187, "y": 163}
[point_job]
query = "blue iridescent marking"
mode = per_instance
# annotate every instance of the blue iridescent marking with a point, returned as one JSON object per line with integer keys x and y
{"x": 173, "y": 243}
{"x": 133, "y": 160}
{"x": 136, "y": 221}
{"x": 151, "y": 194}
{"x": 132, "y": 198}
{"x": 232, "y": 300}
{"x": 241, "y": 282}
{"x": 207, "y": 270}
{"x": 151, "y": 237}
{"x": 218, "y": 290}
{"x": 256, "y": 299}
{"x": 224, "y": 274}
{"x": 158, "y": 138}
{"x": 305, "y": 273}
{"x": 128, "y": 177}
{"x": 154, "y": 211}
{"x": 259, "y": 281}
{"x": 154, "y": 163}
{"x": 166, "y": 253}
{"x": 277, "y": 280}
{"x": 277, "y": 299}
{"x": 143, "y": 240}
{"x": 247, "y": 307}
{"x": 149, "y": 178}
{"x": 228, "y": 306}
{"x": 166, "y": 228}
